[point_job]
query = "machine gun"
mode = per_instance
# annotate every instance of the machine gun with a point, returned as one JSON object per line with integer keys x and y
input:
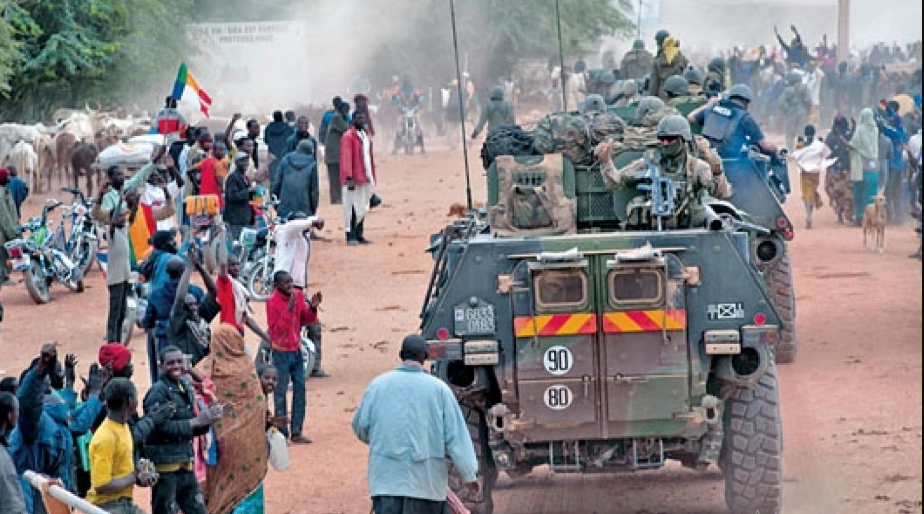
{"x": 662, "y": 191}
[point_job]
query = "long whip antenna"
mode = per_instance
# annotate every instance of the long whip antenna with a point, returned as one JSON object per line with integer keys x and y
{"x": 561, "y": 57}
{"x": 455, "y": 45}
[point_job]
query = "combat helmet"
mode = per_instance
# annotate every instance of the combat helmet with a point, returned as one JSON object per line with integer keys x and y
{"x": 661, "y": 36}
{"x": 676, "y": 85}
{"x": 675, "y": 126}
{"x": 497, "y": 93}
{"x": 741, "y": 91}
{"x": 638, "y": 44}
{"x": 648, "y": 105}
{"x": 693, "y": 76}
{"x": 593, "y": 103}
{"x": 717, "y": 64}
{"x": 607, "y": 78}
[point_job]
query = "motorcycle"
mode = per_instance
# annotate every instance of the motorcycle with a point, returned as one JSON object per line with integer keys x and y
{"x": 40, "y": 262}
{"x": 82, "y": 243}
{"x": 257, "y": 256}
{"x": 409, "y": 134}
{"x": 137, "y": 303}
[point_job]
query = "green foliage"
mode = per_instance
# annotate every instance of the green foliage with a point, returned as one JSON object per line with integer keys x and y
{"x": 10, "y": 55}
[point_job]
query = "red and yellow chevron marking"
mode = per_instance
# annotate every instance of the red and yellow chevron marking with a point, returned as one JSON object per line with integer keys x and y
{"x": 644, "y": 321}
{"x": 555, "y": 325}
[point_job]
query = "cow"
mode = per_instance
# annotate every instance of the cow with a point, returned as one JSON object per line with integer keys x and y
{"x": 47, "y": 158}
{"x": 65, "y": 142}
{"x": 82, "y": 163}
{"x": 23, "y": 156}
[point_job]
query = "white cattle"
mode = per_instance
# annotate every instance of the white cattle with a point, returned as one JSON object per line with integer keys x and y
{"x": 23, "y": 156}
{"x": 45, "y": 148}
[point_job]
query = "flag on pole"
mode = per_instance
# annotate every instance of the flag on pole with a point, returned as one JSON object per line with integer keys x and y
{"x": 187, "y": 89}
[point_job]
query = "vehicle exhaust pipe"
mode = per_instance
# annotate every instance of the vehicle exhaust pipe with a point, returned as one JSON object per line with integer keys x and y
{"x": 713, "y": 221}
{"x": 767, "y": 251}
{"x": 745, "y": 369}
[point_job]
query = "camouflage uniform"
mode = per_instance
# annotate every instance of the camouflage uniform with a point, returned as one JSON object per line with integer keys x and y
{"x": 661, "y": 70}
{"x": 796, "y": 103}
{"x": 496, "y": 114}
{"x": 637, "y": 63}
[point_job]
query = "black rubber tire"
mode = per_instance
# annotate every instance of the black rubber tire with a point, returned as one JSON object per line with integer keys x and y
{"x": 783, "y": 295}
{"x": 255, "y": 282}
{"x": 37, "y": 286}
{"x": 478, "y": 429}
{"x": 752, "y": 455}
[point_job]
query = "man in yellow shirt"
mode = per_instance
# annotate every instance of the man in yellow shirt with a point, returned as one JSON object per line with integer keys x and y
{"x": 112, "y": 467}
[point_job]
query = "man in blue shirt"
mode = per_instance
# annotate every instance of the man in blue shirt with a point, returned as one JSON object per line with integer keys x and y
{"x": 412, "y": 422}
{"x": 728, "y": 125}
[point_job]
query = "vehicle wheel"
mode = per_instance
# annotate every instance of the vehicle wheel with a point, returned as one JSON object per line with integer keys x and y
{"x": 260, "y": 283}
{"x": 783, "y": 295}
{"x": 37, "y": 286}
{"x": 85, "y": 256}
{"x": 478, "y": 429}
{"x": 752, "y": 455}
{"x": 75, "y": 286}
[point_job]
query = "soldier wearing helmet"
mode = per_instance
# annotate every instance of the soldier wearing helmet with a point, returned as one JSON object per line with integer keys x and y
{"x": 695, "y": 80}
{"x": 669, "y": 61}
{"x": 728, "y": 125}
{"x": 694, "y": 177}
{"x": 714, "y": 82}
{"x": 636, "y": 64}
{"x": 496, "y": 114}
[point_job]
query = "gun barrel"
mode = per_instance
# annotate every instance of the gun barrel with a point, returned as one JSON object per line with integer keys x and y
{"x": 713, "y": 221}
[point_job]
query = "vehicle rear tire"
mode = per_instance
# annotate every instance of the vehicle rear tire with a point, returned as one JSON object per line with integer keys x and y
{"x": 478, "y": 429}
{"x": 783, "y": 296}
{"x": 752, "y": 455}
{"x": 86, "y": 256}
{"x": 260, "y": 287}
{"x": 37, "y": 286}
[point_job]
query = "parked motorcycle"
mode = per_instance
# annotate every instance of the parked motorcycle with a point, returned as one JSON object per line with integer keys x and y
{"x": 82, "y": 242}
{"x": 257, "y": 255}
{"x": 41, "y": 264}
{"x": 409, "y": 134}
{"x": 137, "y": 303}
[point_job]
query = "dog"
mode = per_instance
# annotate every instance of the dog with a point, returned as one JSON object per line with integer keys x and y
{"x": 459, "y": 210}
{"x": 875, "y": 219}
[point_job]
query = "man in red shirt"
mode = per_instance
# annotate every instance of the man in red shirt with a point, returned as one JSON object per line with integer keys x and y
{"x": 287, "y": 312}
{"x": 211, "y": 180}
{"x": 357, "y": 177}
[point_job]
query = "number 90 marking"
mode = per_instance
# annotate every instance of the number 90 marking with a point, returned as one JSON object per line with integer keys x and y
{"x": 558, "y": 397}
{"x": 558, "y": 360}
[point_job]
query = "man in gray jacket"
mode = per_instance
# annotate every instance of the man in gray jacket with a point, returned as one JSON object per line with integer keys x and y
{"x": 296, "y": 183}
{"x": 339, "y": 124}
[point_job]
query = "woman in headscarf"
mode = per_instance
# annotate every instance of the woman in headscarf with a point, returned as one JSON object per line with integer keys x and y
{"x": 837, "y": 180}
{"x": 235, "y": 483}
{"x": 864, "y": 163}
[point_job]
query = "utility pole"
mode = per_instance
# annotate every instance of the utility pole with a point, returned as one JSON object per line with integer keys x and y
{"x": 561, "y": 57}
{"x": 843, "y": 30}
{"x": 638, "y": 25}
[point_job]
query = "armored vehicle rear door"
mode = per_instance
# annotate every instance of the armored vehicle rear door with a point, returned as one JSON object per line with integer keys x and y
{"x": 645, "y": 362}
{"x": 558, "y": 352}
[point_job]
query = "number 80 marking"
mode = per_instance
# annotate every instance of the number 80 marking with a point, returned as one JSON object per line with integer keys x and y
{"x": 558, "y": 397}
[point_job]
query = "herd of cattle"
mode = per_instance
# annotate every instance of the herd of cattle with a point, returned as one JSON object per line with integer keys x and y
{"x": 68, "y": 148}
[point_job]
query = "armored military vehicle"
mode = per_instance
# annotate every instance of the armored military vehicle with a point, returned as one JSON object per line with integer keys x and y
{"x": 581, "y": 334}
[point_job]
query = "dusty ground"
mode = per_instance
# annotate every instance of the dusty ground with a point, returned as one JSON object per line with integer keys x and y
{"x": 852, "y": 402}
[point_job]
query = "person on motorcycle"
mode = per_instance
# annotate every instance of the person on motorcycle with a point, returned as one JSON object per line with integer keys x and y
{"x": 695, "y": 178}
{"x": 407, "y": 98}
{"x": 496, "y": 114}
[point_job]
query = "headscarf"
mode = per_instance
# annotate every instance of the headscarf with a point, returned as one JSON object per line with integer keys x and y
{"x": 241, "y": 436}
{"x": 4, "y": 175}
{"x": 671, "y": 49}
{"x": 864, "y": 145}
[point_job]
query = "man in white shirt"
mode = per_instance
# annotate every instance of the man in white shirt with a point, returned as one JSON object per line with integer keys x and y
{"x": 813, "y": 80}
{"x": 293, "y": 253}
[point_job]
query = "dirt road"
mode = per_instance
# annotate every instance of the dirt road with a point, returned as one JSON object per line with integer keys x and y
{"x": 852, "y": 402}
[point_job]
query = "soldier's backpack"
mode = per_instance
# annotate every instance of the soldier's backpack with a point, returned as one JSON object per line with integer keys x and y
{"x": 532, "y": 196}
{"x": 565, "y": 133}
{"x": 506, "y": 140}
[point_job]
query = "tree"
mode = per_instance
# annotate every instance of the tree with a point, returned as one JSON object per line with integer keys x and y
{"x": 10, "y": 55}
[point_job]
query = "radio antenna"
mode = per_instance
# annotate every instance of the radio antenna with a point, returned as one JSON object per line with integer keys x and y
{"x": 561, "y": 57}
{"x": 455, "y": 45}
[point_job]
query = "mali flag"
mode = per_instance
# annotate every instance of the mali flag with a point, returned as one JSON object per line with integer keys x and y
{"x": 187, "y": 89}
{"x": 139, "y": 233}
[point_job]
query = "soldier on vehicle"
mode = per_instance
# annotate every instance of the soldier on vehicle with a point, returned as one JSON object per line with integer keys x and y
{"x": 694, "y": 177}
{"x": 646, "y": 112}
{"x": 636, "y": 64}
{"x": 678, "y": 91}
{"x": 715, "y": 77}
{"x": 695, "y": 80}
{"x": 670, "y": 61}
{"x": 728, "y": 125}
{"x": 630, "y": 94}
{"x": 497, "y": 113}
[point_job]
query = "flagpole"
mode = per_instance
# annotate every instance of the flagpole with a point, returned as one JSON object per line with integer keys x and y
{"x": 561, "y": 56}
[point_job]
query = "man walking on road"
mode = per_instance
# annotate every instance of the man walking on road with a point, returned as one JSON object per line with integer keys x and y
{"x": 412, "y": 423}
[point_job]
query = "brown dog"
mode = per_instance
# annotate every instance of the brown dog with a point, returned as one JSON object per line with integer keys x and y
{"x": 875, "y": 220}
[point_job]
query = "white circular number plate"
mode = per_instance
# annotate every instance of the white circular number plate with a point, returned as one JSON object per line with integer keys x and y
{"x": 558, "y": 360}
{"x": 558, "y": 397}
